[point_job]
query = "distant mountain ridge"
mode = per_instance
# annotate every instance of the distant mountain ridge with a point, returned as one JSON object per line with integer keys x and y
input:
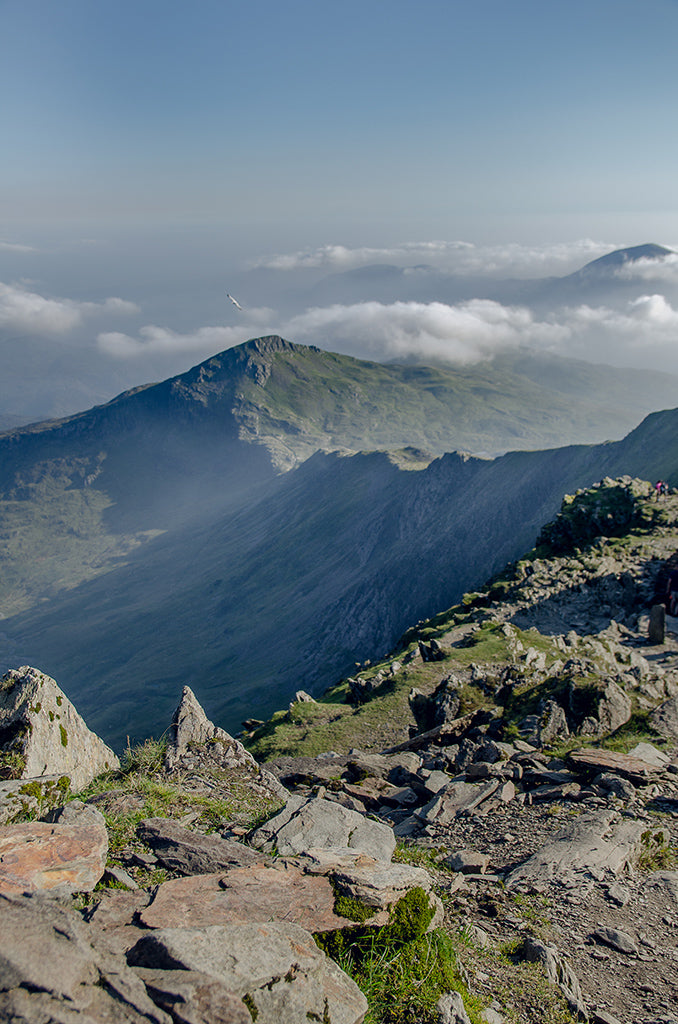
{"x": 250, "y": 594}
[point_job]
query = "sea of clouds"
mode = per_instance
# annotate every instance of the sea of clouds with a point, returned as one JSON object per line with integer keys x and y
{"x": 640, "y": 331}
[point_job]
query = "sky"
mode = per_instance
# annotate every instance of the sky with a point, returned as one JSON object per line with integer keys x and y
{"x": 157, "y": 154}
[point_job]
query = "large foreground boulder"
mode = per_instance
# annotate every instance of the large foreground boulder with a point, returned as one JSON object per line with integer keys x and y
{"x": 275, "y": 968}
{"x": 49, "y": 971}
{"x": 41, "y": 733}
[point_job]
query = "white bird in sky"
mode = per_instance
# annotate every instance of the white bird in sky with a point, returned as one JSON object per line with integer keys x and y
{"x": 235, "y": 302}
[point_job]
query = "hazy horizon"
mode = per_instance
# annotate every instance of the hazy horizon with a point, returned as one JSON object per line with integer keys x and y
{"x": 160, "y": 156}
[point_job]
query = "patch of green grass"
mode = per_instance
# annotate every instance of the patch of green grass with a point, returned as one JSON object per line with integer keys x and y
{"x": 401, "y": 969}
{"x": 657, "y": 854}
{"x": 145, "y": 757}
{"x": 12, "y": 764}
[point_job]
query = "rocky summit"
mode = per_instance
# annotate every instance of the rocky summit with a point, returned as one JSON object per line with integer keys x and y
{"x": 479, "y": 829}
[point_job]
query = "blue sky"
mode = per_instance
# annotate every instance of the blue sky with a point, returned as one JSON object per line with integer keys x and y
{"x": 437, "y": 118}
{"x": 158, "y": 153}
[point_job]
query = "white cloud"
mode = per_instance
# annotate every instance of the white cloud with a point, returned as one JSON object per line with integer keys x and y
{"x": 463, "y": 333}
{"x": 203, "y": 342}
{"x": 15, "y": 247}
{"x": 24, "y": 310}
{"x": 663, "y": 269}
{"x": 644, "y": 333}
{"x": 206, "y": 341}
{"x": 454, "y": 257}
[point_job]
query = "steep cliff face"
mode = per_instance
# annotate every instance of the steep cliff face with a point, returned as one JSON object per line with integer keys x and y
{"x": 329, "y": 567}
{"x": 154, "y": 539}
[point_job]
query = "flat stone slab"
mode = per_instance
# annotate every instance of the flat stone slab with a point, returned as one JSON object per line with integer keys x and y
{"x": 192, "y": 853}
{"x": 595, "y": 844}
{"x": 276, "y": 965}
{"x": 63, "y": 859}
{"x": 255, "y": 893}
{"x": 612, "y": 761}
{"x": 307, "y": 824}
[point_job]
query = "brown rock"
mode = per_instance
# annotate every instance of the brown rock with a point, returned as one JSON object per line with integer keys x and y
{"x": 60, "y": 858}
{"x": 611, "y": 761}
{"x": 256, "y": 893}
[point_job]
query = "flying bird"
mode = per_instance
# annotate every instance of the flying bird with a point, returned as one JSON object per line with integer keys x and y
{"x": 235, "y": 302}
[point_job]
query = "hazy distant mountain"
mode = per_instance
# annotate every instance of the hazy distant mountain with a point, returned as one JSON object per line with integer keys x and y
{"x": 598, "y": 280}
{"x": 153, "y": 540}
{"x": 610, "y": 264}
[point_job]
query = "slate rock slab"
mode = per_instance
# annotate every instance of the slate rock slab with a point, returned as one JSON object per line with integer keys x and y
{"x": 557, "y": 971}
{"x": 276, "y": 966}
{"x": 38, "y": 722}
{"x": 594, "y": 844}
{"x": 191, "y": 727}
{"x": 317, "y": 823}
{"x": 617, "y": 939}
{"x": 39, "y": 856}
{"x": 664, "y": 718}
{"x": 456, "y": 798}
{"x": 49, "y": 972}
{"x": 194, "y": 998}
{"x": 611, "y": 761}
{"x": 192, "y": 853}
{"x": 255, "y": 893}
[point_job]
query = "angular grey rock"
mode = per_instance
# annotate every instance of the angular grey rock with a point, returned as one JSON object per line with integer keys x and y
{"x": 380, "y": 885}
{"x": 651, "y": 754}
{"x": 450, "y": 1009}
{"x": 50, "y": 972}
{"x": 277, "y": 966}
{"x": 595, "y": 844}
{"x": 664, "y": 718}
{"x": 19, "y": 797}
{"x": 614, "y": 708}
{"x": 557, "y": 971}
{"x": 615, "y": 785}
{"x": 306, "y": 824}
{"x": 39, "y": 724}
{"x": 666, "y": 881}
{"x": 436, "y": 708}
{"x": 552, "y": 723}
{"x": 191, "y": 728}
{"x": 469, "y": 862}
{"x": 192, "y": 853}
{"x": 617, "y": 939}
{"x": 75, "y": 812}
{"x": 194, "y": 998}
{"x": 456, "y": 798}
{"x": 195, "y": 742}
